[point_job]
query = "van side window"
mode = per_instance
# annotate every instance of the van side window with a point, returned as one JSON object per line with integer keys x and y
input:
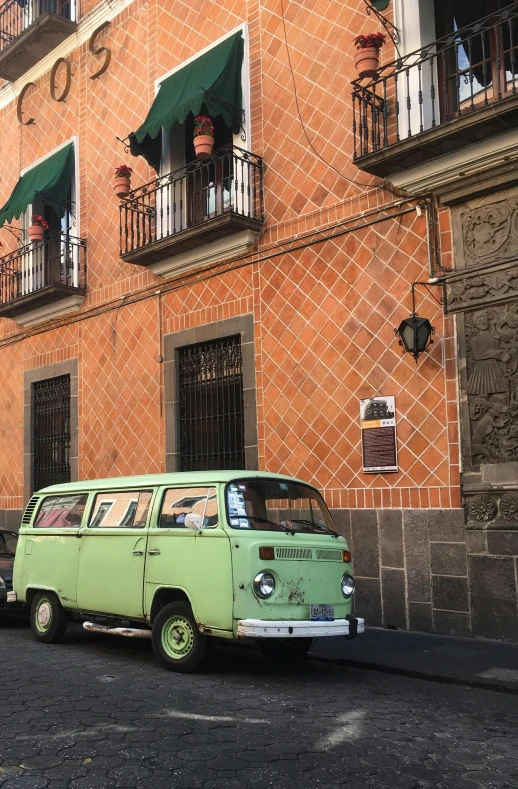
{"x": 179, "y": 502}
{"x": 61, "y": 512}
{"x": 120, "y": 510}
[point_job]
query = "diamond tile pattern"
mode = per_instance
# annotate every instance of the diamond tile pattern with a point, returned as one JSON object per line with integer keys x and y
{"x": 324, "y": 314}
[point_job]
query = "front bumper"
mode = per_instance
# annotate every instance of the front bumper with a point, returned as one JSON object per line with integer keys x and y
{"x": 264, "y": 628}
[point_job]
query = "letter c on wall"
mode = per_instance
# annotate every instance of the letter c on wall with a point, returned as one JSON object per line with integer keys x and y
{"x": 19, "y": 107}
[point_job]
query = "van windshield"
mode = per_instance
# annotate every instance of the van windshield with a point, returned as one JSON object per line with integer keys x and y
{"x": 277, "y": 505}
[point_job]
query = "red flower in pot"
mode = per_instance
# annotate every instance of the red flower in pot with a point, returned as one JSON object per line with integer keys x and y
{"x": 203, "y": 137}
{"x": 367, "y": 56}
{"x": 36, "y": 230}
{"x": 122, "y": 183}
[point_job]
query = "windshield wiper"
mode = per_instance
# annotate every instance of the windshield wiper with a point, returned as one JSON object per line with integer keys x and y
{"x": 319, "y": 525}
{"x": 265, "y": 520}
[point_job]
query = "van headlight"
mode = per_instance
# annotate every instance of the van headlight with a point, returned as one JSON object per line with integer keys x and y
{"x": 347, "y": 585}
{"x": 2, "y": 583}
{"x": 264, "y": 584}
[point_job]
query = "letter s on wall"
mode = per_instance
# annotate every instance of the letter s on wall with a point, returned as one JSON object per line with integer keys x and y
{"x": 99, "y": 50}
{"x": 19, "y": 107}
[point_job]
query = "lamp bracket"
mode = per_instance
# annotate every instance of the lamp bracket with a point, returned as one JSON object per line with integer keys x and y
{"x": 237, "y": 113}
{"x": 427, "y": 285}
{"x": 15, "y": 231}
{"x": 125, "y": 141}
{"x": 391, "y": 30}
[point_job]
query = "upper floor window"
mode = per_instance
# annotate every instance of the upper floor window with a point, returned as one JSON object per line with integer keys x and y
{"x": 50, "y": 255}
{"x": 217, "y": 193}
{"x": 479, "y": 52}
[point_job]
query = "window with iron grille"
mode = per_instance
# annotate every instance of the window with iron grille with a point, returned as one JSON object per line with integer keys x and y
{"x": 51, "y": 431}
{"x": 211, "y": 405}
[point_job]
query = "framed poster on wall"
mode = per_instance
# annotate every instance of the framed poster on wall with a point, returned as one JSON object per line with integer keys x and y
{"x": 378, "y": 426}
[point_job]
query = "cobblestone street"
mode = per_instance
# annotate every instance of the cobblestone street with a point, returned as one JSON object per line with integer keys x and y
{"x": 99, "y": 712}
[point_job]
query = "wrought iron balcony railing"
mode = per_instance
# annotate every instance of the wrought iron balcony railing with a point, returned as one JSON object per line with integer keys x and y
{"x": 17, "y": 15}
{"x": 40, "y": 273}
{"x": 202, "y": 200}
{"x": 453, "y": 77}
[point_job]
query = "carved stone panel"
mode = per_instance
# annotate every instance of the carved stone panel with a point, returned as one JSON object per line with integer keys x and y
{"x": 490, "y": 232}
{"x": 491, "y": 341}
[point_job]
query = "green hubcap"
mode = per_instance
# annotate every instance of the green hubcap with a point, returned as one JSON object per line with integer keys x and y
{"x": 177, "y": 637}
{"x": 43, "y": 615}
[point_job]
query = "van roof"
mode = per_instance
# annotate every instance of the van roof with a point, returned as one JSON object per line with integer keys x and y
{"x": 177, "y": 478}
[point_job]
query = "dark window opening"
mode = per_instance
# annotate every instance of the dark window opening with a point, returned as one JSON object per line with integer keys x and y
{"x": 212, "y": 405}
{"x": 51, "y": 431}
{"x": 209, "y": 189}
{"x": 480, "y": 64}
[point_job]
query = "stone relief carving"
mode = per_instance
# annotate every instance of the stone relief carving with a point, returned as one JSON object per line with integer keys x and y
{"x": 509, "y": 506}
{"x": 492, "y": 383}
{"x": 483, "y": 507}
{"x": 497, "y": 510}
{"x": 490, "y": 233}
{"x": 468, "y": 291}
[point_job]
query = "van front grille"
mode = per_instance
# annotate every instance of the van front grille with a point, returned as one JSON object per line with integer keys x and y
{"x": 329, "y": 555}
{"x": 293, "y": 553}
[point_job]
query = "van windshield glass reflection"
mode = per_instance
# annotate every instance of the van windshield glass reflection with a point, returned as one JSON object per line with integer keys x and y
{"x": 276, "y": 505}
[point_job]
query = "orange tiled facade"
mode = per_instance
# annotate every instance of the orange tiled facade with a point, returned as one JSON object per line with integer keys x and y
{"x": 326, "y": 283}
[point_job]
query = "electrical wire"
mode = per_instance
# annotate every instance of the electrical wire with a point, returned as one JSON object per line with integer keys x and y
{"x": 150, "y": 291}
{"x": 358, "y": 184}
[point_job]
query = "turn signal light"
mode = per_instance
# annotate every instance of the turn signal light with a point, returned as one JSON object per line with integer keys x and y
{"x": 266, "y": 553}
{"x": 347, "y": 556}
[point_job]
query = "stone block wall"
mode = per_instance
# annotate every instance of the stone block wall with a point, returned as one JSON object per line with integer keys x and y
{"x": 411, "y": 568}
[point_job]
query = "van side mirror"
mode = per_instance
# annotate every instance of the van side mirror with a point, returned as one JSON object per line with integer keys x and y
{"x": 194, "y": 521}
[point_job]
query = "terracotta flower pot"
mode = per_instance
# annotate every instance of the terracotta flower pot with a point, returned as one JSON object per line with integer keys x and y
{"x": 203, "y": 145}
{"x": 36, "y": 233}
{"x": 122, "y": 187}
{"x": 367, "y": 61}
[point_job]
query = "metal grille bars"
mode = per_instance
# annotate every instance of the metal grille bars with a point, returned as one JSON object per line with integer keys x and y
{"x": 17, "y": 15}
{"x": 231, "y": 182}
{"x": 59, "y": 259}
{"x": 51, "y": 431}
{"x": 212, "y": 405}
{"x": 456, "y": 75}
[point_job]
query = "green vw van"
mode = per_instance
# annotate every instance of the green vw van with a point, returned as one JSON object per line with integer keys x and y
{"x": 185, "y": 558}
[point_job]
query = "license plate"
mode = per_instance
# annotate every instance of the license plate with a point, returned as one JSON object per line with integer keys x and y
{"x": 321, "y": 613}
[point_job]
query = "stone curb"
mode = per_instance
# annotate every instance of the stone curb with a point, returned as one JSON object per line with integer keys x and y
{"x": 484, "y": 684}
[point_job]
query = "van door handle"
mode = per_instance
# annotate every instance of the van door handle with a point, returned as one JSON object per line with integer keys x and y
{"x": 154, "y": 553}
{"x": 138, "y": 553}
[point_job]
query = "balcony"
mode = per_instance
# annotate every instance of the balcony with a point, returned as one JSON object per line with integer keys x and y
{"x": 459, "y": 90}
{"x": 41, "y": 275}
{"x": 199, "y": 205}
{"x": 29, "y": 30}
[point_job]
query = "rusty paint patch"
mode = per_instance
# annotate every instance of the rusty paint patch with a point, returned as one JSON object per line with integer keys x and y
{"x": 295, "y": 593}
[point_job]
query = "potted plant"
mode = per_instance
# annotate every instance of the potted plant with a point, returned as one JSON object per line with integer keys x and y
{"x": 122, "y": 183}
{"x": 37, "y": 229}
{"x": 367, "y": 56}
{"x": 203, "y": 137}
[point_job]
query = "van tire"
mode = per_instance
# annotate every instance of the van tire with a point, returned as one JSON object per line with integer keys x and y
{"x": 284, "y": 650}
{"x": 49, "y": 619}
{"x": 177, "y": 641}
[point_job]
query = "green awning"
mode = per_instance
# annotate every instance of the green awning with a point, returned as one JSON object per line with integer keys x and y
{"x": 213, "y": 81}
{"x": 50, "y": 180}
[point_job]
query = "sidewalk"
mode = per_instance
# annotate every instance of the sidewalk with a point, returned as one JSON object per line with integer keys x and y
{"x": 466, "y": 661}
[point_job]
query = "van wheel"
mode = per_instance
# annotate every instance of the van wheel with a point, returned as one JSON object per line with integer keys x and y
{"x": 177, "y": 641}
{"x": 49, "y": 619}
{"x": 284, "y": 650}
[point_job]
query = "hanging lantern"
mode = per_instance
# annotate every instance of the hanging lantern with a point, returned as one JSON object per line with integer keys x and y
{"x": 415, "y": 335}
{"x": 380, "y": 5}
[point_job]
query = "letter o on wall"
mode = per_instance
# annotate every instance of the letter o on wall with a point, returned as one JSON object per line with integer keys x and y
{"x": 68, "y": 79}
